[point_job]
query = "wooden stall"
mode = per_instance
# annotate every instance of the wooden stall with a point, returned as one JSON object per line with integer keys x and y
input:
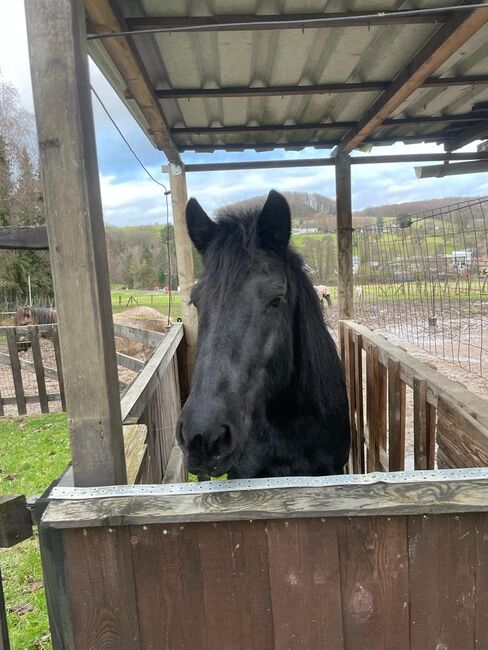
{"x": 133, "y": 557}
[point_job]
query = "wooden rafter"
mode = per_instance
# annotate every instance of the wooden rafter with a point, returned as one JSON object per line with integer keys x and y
{"x": 445, "y": 42}
{"x": 469, "y": 134}
{"x": 123, "y": 53}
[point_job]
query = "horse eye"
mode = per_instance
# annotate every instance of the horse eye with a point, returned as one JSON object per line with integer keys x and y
{"x": 276, "y": 301}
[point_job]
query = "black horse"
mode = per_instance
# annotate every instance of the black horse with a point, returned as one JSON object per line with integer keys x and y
{"x": 268, "y": 396}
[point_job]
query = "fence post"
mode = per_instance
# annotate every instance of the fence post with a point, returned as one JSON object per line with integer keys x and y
{"x": 61, "y": 87}
{"x": 344, "y": 235}
{"x": 184, "y": 259}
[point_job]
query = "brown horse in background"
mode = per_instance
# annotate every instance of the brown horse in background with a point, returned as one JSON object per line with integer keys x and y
{"x": 25, "y": 316}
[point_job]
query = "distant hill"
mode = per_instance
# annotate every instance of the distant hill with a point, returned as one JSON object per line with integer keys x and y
{"x": 409, "y": 207}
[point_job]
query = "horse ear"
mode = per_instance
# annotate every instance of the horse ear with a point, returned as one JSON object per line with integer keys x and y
{"x": 274, "y": 223}
{"x": 200, "y": 227}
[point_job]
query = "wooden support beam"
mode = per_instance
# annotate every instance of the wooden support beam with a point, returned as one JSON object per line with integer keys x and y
{"x": 469, "y": 134}
{"x": 439, "y": 171}
{"x": 445, "y": 42}
{"x": 327, "y": 126}
{"x": 59, "y": 67}
{"x": 311, "y": 89}
{"x": 15, "y": 521}
{"x": 246, "y": 22}
{"x": 24, "y": 238}
{"x": 344, "y": 236}
{"x": 124, "y": 55}
{"x": 184, "y": 259}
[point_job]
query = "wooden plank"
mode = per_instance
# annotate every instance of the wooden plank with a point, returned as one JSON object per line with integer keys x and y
{"x": 374, "y": 418}
{"x": 351, "y": 384}
{"x": 420, "y": 431}
{"x": 345, "y": 500}
{"x": 443, "y": 44}
{"x": 55, "y": 576}
{"x": 236, "y": 585}
{"x": 380, "y": 386}
{"x": 2, "y": 412}
{"x": 183, "y": 378}
{"x": 147, "y": 337}
{"x": 131, "y": 363}
{"x": 344, "y": 236}
{"x": 184, "y": 259}
{"x": 16, "y": 373}
{"x": 461, "y": 436}
{"x": 39, "y": 368}
{"x": 28, "y": 366}
{"x": 101, "y": 584}
{"x": 175, "y": 469}
{"x": 4, "y": 640}
{"x": 71, "y": 191}
{"x": 24, "y": 238}
{"x": 23, "y": 330}
{"x": 169, "y": 583}
{"x": 358, "y": 353}
{"x": 442, "y": 555}
{"x": 374, "y": 582}
{"x": 123, "y": 53}
{"x": 411, "y": 368}
{"x": 305, "y": 584}
{"x": 135, "y": 449}
{"x": 59, "y": 368}
{"x": 396, "y": 411}
{"x": 312, "y": 20}
{"x": 481, "y": 571}
{"x": 15, "y": 521}
{"x": 140, "y": 391}
{"x": 32, "y": 399}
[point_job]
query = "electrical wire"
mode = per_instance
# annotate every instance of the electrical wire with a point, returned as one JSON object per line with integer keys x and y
{"x": 151, "y": 177}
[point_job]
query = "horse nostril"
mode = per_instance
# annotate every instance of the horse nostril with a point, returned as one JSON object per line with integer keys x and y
{"x": 223, "y": 443}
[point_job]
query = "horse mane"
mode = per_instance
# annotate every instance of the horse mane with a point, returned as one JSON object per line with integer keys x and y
{"x": 230, "y": 255}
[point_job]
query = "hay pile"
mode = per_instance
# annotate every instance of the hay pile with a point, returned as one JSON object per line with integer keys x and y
{"x": 145, "y": 318}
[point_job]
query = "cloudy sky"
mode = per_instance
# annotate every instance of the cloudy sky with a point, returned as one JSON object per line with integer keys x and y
{"x": 130, "y": 199}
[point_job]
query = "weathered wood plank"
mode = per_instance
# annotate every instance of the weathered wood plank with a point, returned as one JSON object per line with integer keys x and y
{"x": 71, "y": 191}
{"x": 147, "y": 337}
{"x": 305, "y": 584}
{"x": 137, "y": 397}
{"x": 33, "y": 399}
{"x": 24, "y": 238}
{"x": 236, "y": 586}
{"x": 23, "y": 330}
{"x": 4, "y": 639}
{"x": 175, "y": 469}
{"x": 374, "y": 582}
{"x": 131, "y": 363}
{"x": 346, "y": 500}
{"x": 420, "y": 430}
{"x": 442, "y": 555}
{"x": 396, "y": 413}
{"x": 374, "y": 417}
{"x": 135, "y": 449}
{"x": 168, "y": 572}
{"x": 16, "y": 373}
{"x": 39, "y": 368}
{"x": 358, "y": 353}
{"x": 2, "y": 412}
{"x": 481, "y": 572}
{"x": 411, "y": 368}
{"x": 15, "y": 521}
{"x": 461, "y": 436}
{"x": 351, "y": 385}
{"x": 101, "y": 585}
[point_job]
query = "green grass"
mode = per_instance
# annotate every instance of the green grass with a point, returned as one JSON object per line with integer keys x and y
{"x": 33, "y": 452}
{"x": 121, "y": 300}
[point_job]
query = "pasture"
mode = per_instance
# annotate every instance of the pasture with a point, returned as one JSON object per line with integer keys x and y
{"x": 33, "y": 452}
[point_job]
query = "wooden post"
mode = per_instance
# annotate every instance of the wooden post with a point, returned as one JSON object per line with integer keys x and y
{"x": 344, "y": 235}
{"x": 184, "y": 258}
{"x": 61, "y": 87}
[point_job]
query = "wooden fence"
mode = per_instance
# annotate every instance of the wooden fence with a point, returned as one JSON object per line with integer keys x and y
{"x": 450, "y": 424}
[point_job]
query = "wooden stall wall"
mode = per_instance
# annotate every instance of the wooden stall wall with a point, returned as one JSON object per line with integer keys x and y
{"x": 355, "y": 583}
{"x": 450, "y": 424}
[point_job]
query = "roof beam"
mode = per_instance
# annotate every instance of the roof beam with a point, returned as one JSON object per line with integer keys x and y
{"x": 330, "y": 162}
{"x": 470, "y": 134}
{"x": 439, "y": 171}
{"x": 316, "y": 89}
{"x": 24, "y": 238}
{"x": 445, "y": 42}
{"x": 246, "y": 22}
{"x": 122, "y": 51}
{"x": 464, "y": 118}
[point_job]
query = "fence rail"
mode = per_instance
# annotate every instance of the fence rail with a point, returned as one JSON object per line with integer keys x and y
{"x": 450, "y": 424}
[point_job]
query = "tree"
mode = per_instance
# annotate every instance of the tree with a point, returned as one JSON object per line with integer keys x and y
{"x": 5, "y": 185}
{"x": 145, "y": 272}
{"x": 130, "y": 271}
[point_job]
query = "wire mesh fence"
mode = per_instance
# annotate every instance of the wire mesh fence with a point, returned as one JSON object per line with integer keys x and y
{"x": 424, "y": 278}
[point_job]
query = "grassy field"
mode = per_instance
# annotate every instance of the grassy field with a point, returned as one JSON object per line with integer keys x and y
{"x": 33, "y": 452}
{"x": 122, "y": 300}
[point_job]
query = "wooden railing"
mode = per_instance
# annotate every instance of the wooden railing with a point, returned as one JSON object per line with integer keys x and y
{"x": 154, "y": 401}
{"x": 450, "y": 424}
